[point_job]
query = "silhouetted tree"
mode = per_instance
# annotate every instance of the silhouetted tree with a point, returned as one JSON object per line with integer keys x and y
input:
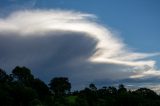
{"x": 92, "y": 87}
{"x": 122, "y": 89}
{"x": 22, "y": 74}
{"x": 112, "y": 90}
{"x": 5, "y": 97}
{"x": 22, "y": 95}
{"x": 60, "y": 85}
{"x": 25, "y": 90}
{"x": 41, "y": 88}
{"x": 3, "y": 76}
{"x": 147, "y": 93}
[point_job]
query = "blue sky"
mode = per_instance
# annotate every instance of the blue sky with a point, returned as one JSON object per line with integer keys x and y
{"x": 135, "y": 22}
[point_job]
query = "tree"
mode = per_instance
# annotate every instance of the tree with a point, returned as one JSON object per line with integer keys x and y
{"x": 3, "y": 76}
{"x": 22, "y": 95}
{"x": 92, "y": 87}
{"x": 60, "y": 85}
{"x": 122, "y": 89}
{"x": 41, "y": 88}
{"x": 147, "y": 93}
{"x": 22, "y": 74}
{"x": 112, "y": 90}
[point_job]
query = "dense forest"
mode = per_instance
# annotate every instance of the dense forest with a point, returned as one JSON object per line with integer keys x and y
{"x": 21, "y": 88}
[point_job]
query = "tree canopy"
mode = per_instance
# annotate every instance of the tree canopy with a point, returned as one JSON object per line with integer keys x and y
{"x": 21, "y": 88}
{"x": 60, "y": 85}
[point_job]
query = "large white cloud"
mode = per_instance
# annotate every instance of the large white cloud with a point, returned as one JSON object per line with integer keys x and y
{"x": 68, "y": 43}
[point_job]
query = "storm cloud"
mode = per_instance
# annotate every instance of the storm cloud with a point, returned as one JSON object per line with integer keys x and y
{"x": 68, "y": 43}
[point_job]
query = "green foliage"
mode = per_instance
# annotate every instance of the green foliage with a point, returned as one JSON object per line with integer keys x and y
{"x": 71, "y": 99}
{"x": 20, "y": 88}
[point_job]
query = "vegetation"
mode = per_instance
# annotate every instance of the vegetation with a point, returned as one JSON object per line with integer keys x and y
{"x": 21, "y": 88}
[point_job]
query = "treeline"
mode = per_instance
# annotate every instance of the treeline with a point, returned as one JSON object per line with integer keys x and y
{"x": 21, "y": 88}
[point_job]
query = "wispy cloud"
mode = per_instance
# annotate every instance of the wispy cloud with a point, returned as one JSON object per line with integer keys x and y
{"x": 69, "y": 40}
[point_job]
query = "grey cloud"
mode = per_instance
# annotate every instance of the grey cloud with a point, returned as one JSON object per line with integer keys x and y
{"x": 66, "y": 43}
{"x": 52, "y": 53}
{"x": 59, "y": 48}
{"x": 57, "y": 54}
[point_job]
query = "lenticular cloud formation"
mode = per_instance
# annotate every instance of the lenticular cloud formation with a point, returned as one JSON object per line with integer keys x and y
{"x": 68, "y": 43}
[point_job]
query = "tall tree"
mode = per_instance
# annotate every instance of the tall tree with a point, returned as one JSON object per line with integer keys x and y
{"x": 22, "y": 74}
{"x": 92, "y": 87}
{"x": 41, "y": 88}
{"x": 60, "y": 85}
{"x": 3, "y": 76}
{"x": 122, "y": 89}
{"x": 147, "y": 93}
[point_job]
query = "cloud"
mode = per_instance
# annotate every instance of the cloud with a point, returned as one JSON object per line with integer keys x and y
{"x": 68, "y": 43}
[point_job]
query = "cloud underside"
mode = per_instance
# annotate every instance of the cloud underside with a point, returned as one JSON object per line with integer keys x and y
{"x": 67, "y": 43}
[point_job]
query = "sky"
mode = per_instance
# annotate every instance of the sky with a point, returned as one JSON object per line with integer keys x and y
{"x": 104, "y": 42}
